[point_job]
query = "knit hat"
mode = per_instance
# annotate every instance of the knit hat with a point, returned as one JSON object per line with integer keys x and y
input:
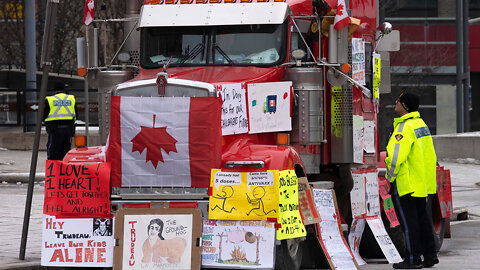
{"x": 59, "y": 86}
{"x": 409, "y": 101}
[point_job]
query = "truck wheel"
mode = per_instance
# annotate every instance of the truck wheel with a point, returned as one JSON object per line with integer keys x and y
{"x": 288, "y": 255}
{"x": 439, "y": 223}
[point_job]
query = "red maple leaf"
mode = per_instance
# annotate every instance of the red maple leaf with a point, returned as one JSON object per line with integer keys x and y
{"x": 339, "y": 10}
{"x": 154, "y": 139}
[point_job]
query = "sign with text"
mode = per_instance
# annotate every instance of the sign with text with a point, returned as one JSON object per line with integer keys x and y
{"x": 357, "y": 195}
{"x": 330, "y": 235}
{"x": 377, "y": 68}
{"x": 289, "y": 214}
{"x": 245, "y": 244}
{"x": 383, "y": 240}
{"x": 270, "y": 106}
{"x": 234, "y": 109}
{"x": 371, "y": 193}
{"x": 77, "y": 190}
{"x": 308, "y": 211}
{"x": 85, "y": 242}
{"x": 389, "y": 210}
{"x": 358, "y": 60}
{"x": 243, "y": 195}
{"x": 355, "y": 237}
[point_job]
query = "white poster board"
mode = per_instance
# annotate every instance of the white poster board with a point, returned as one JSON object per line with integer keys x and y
{"x": 354, "y": 238}
{"x": 369, "y": 136}
{"x": 234, "y": 109}
{"x": 357, "y": 195}
{"x": 157, "y": 241}
{"x": 238, "y": 244}
{"x": 357, "y": 138}
{"x": 269, "y": 107}
{"x": 383, "y": 240}
{"x": 372, "y": 195}
{"x": 358, "y": 60}
{"x": 330, "y": 235}
{"x": 85, "y": 242}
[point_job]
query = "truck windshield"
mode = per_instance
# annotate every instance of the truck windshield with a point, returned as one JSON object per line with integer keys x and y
{"x": 235, "y": 45}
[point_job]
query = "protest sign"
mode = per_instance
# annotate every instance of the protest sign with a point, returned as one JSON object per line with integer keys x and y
{"x": 389, "y": 210}
{"x": 80, "y": 242}
{"x": 77, "y": 190}
{"x": 357, "y": 195}
{"x": 358, "y": 60}
{"x": 444, "y": 191}
{"x": 237, "y": 244}
{"x": 234, "y": 109}
{"x": 330, "y": 235}
{"x": 158, "y": 239}
{"x": 371, "y": 193}
{"x": 308, "y": 211}
{"x": 354, "y": 238}
{"x": 289, "y": 214}
{"x": 269, "y": 106}
{"x": 243, "y": 195}
{"x": 383, "y": 240}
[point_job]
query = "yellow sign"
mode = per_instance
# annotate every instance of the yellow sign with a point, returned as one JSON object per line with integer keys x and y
{"x": 243, "y": 195}
{"x": 377, "y": 75}
{"x": 289, "y": 214}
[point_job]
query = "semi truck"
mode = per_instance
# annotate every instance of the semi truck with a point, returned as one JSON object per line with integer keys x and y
{"x": 190, "y": 48}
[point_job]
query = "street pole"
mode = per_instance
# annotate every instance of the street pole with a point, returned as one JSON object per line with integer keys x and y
{"x": 466, "y": 68}
{"x": 30, "y": 59}
{"x": 50, "y": 18}
{"x": 459, "y": 37}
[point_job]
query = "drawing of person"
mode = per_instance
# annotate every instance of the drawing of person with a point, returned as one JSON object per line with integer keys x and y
{"x": 157, "y": 249}
{"x": 258, "y": 193}
{"x": 227, "y": 192}
{"x": 102, "y": 227}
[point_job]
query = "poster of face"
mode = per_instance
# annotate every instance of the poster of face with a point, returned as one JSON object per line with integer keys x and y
{"x": 269, "y": 106}
{"x": 157, "y": 241}
{"x": 238, "y": 244}
{"x": 79, "y": 242}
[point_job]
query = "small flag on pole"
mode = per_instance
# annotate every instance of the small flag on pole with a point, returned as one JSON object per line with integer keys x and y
{"x": 89, "y": 12}
{"x": 341, "y": 17}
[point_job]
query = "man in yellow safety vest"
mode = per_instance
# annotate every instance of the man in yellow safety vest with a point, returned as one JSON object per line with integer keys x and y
{"x": 411, "y": 169}
{"x": 59, "y": 117}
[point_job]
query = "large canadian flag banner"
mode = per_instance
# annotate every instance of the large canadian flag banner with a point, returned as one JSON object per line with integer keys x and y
{"x": 164, "y": 141}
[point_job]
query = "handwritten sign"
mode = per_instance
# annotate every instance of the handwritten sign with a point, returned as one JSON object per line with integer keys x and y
{"x": 86, "y": 242}
{"x": 358, "y": 60}
{"x": 371, "y": 193}
{"x": 444, "y": 191}
{"x": 245, "y": 244}
{"x": 269, "y": 106}
{"x": 377, "y": 68}
{"x": 369, "y": 136}
{"x": 389, "y": 210}
{"x": 243, "y": 195}
{"x": 383, "y": 187}
{"x": 357, "y": 138}
{"x": 308, "y": 211}
{"x": 77, "y": 190}
{"x": 354, "y": 238}
{"x": 357, "y": 195}
{"x": 289, "y": 214}
{"x": 383, "y": 240}
{"x": 234, "y": 109}
{"x": 330, "y": 235}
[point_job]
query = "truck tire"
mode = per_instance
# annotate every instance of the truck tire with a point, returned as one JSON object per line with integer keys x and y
{"x": 288, "y": 255}
{"x": 439, "y": 223}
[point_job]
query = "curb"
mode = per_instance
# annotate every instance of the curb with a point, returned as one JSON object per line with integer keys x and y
{"x": 21, "y": 177}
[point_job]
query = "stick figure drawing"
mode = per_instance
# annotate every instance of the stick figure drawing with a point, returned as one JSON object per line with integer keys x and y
{"x": 258, "y": 193}
{"x": 227, "y": 192}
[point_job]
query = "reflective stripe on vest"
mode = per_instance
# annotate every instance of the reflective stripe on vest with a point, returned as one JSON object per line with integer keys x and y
{"x": 61, "y": 108}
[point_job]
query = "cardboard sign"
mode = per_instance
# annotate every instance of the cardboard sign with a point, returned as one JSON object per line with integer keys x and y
{"x": 158, "y": 238}
{"x": 243, "y": 195}
{"x": 289, "y": 214}
{"x": 234, "y": 109}
{"x": 238, "y": 244}
{"x": 358, "y": 60}
{"x": 308, "y": 211}
{"x": 383, "y": 240}
{"x": 269, "y": 106}
{"x": 354, "y": 238}
{"x": 77, "y": 190}
{"x": 85, "y": 242}
{"x": 330, "y": 235}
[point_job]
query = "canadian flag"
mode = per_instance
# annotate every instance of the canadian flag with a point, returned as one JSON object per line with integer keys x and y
{"x": 341, "y": 17}
{"x": 164, "y": 141}
{"x": 88, "y": 14}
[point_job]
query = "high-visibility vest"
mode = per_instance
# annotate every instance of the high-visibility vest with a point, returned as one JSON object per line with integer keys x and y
{"x": 62, "y": 107}
{"x": 411, "y": 160}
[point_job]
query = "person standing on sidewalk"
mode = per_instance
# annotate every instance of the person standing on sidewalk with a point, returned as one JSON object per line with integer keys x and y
{"x": 59, "y": 117}
{"x": 411, "y": 169}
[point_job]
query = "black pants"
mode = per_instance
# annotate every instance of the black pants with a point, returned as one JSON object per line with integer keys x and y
{"x": 59, "y": 142}
{"x": 417, "y": 226}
